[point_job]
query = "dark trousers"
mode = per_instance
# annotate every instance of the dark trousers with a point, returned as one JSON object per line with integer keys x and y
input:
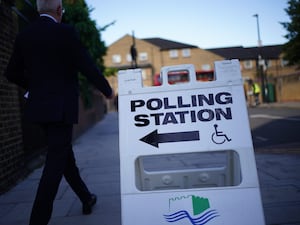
{"x": 256, "y": 98}
{"x": 60, "y": 162}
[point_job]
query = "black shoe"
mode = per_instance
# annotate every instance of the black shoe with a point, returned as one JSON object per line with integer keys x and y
{"x": 87, "y": 206}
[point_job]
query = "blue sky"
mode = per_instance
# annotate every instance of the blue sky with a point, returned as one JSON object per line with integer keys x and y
{"x": 204, "y": 23}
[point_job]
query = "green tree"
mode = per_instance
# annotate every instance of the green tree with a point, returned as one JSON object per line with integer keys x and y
{"x": 77, "y": 14}
{"x": 26, "y": 11}
{"x": 291, "y": 49}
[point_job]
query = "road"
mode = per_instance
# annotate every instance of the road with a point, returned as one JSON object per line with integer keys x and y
{"x": 275, "y": 129}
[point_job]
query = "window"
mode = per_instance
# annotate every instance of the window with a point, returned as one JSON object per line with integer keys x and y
{"x": 248, "y": 64}
{"x": 173, "y": 53}
{"x": 205, "y": 67}
{"x": 269, "y": 63}
{"x": 186, "y": 52}
{"x": 116, "y": 59}
{"x": 128, "y": 58}
{"x": 143, "y": 56}
{"x": 284, "y": 62}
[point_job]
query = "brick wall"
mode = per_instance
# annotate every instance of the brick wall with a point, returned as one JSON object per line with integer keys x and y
{"x": 11, "y": 144}
{"x": 288, "y": 87}
{"x": 88, "y": 117}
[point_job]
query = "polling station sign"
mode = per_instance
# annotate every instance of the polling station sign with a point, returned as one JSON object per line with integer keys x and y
{"x": 171, "y": 115}
{"x": 163, "y": 133}
{"x": 183, "y": 111}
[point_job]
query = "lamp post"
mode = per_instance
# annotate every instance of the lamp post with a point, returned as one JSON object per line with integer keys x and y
{"x": 258, "y": 32}
{"x": 260, "y": 61}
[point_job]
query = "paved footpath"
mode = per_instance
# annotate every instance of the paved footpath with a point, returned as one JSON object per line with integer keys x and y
{"x": 98, "y": 159}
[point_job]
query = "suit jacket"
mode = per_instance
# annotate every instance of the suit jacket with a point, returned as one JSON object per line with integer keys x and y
{"x": 46, "y": 59}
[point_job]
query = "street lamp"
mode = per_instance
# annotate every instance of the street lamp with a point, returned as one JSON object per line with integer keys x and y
{"x": 260, "y": 61}
{"x": 258, "y": 32}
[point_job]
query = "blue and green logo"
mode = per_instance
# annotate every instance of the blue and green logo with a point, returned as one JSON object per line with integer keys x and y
{"x": 199, "y": 212}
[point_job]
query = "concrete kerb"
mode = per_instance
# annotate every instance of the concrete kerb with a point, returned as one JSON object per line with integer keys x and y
{"x": 293, "y": 105}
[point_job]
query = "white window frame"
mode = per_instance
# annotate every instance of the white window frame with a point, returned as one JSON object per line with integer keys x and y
{"x": 128, "y": 58}
{"x": 173, "y": 53}
{"x": 186, "y": 52}
{"x": 205, "y": 67}
{"x": 284, "y": 62}
{"x": 269, "y": 63}
{"x": 116, "y": 58}
{"x": 143, "y": 56}
{"x": 248, "y": 64}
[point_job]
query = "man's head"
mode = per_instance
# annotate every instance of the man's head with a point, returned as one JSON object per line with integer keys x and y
{"x": 52, "y": 7}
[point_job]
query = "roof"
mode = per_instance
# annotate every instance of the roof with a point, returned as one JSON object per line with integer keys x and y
{"x": 236, "y": 52}
{"x": 239, "y": 52}
{"x": 165, "y": 44}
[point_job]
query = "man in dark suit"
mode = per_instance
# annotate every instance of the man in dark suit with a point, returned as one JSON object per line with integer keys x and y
{"x": 46, "y": 59}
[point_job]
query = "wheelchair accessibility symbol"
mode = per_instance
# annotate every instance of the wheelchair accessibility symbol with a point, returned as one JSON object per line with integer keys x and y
{"x": 218, "y": 137}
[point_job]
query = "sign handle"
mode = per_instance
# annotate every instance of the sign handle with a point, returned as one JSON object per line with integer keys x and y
{"x": 188, "y": 68}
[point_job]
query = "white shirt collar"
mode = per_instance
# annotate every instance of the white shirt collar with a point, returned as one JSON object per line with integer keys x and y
{"x": 47, "y": 15}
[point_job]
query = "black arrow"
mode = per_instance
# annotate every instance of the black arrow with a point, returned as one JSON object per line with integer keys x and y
{"x": 154, "y": 138}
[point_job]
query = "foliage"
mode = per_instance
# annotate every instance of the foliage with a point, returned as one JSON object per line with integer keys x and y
{"x": 27, "y": 12}
{"x": 292, "y": 48}
{"x": 77, "y": 14}
{"x": 110, "y": 72}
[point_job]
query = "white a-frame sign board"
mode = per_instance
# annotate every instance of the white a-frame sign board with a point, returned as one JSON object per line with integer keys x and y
{"x": 186, "y": 153}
